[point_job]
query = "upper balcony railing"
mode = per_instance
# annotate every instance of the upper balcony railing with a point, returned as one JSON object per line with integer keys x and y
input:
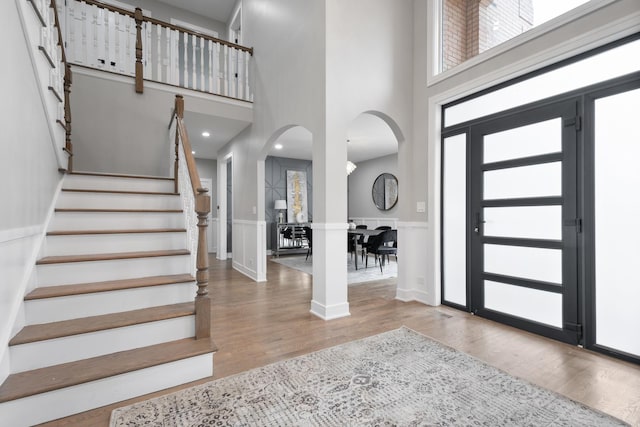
{"x": 113, "y": 39}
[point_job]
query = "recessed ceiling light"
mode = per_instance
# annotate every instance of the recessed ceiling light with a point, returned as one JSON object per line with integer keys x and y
{"x": 193, "y": 152}
{"x": 206, "y": 134}
{"x": 278, "y": 146}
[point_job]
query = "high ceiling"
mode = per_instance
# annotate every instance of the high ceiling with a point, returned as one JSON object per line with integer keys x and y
{"x": 368, "y": 137}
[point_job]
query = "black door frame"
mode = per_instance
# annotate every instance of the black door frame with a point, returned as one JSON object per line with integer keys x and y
{"x": 585, "y": 98}
{"x": 567, "y": 111}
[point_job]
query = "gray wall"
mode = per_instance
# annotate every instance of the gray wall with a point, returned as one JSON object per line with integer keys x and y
{"x": 208, "y": 168}
{"x": 165, "y": 12}
{"x": 116, "y": 130}
{"x": 275, "y": 176}
{"x": 360, "y": 183}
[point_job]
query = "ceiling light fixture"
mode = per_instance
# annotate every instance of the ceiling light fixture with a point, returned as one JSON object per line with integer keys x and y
{"x": 278, "y": 146}
{"x": 206, "y": 134}
{"x": 193, "y": 152}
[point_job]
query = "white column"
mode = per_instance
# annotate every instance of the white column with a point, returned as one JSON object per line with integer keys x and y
{"x": 330, "y": 296}
{"x": 329, "y": 299}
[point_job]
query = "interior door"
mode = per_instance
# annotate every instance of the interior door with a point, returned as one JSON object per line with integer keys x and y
{"x": 523, "y": 220}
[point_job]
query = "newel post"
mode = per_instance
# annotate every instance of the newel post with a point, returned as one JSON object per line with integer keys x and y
{"x": 139, "y": 70}
{"x": 203, "y": 302}
{"x": 67, "y": 115}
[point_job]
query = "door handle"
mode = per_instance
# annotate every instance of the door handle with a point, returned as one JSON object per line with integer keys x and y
{"x": 476, "y": 223}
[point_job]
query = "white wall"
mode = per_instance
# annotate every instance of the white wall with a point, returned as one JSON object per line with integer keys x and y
{"x": 361, "y": 182}
{"x": 119, "y": 131}
{"x": 29, "y": 172}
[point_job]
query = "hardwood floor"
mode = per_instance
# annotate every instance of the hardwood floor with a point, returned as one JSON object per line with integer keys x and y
{"x": 257, "y": 324}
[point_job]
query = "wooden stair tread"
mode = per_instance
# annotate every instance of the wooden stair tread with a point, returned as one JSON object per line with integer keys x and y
{"x": 120, "y": 210}
{"x": 149, "y": 193}
{"x": 118, "y": 175}
{"x": 106, "y": 286}
{"x": 65, "y": 328}
{"x": 51, "y": 378}
{"x": 110, "y": 256}
{"x": 135, "y": 231}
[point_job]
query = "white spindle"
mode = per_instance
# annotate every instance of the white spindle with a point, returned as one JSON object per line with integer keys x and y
{"x": 92, "y": 58}
{"x": 116, "y": 41}
{"x": 129, "y": 46}
{"x": 82, "y": 39}
{"x": 167, "y": 56}
{"x": 247, "y": 94}
{"x": 105, "y": 41}
{"x": 185, "y": 55}
{"x": 194, "y": 41}
{"x": 159, "y": 52}
{"x": 175, "y": 53}
{"x": 225, "y": 71}
{"x": 210, "y": 58}
{"x": 147, "y": 54}
{"x": 240, "y": 80}
{"x": 202, "y": 68}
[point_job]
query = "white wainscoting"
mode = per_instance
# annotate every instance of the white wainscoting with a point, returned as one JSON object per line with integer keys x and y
{"x": 372, "y": 223}
{"x": 249, "y": 246}
{"x": 212, "y": 238}
{"x": 413, "y": 254}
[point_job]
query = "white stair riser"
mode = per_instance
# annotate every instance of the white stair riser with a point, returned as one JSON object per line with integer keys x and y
{"x": 81, "y": 200}
{"x": 95, "y": 304}
{"x": 90, "y": 182}
{"x": 111, "y": 243}
{"x": 25, "y": 357}
{"x": 98, "y": 271}
{"x": 115, "y": 220}
{"x": 72, "y": 400}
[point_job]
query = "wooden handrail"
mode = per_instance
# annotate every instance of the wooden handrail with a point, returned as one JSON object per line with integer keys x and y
{"x": 168, "y": 25}
{"x": 202, "y": 208}
{"x": 191, "y": 161}
{"x": 68, "y": 146}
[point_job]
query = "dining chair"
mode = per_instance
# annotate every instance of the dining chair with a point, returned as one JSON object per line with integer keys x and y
{"x": 308, "y": 234}
{"x": 365, "y": 243}
{"x": 383, "y": 245}
{"x": 352, "y": 244}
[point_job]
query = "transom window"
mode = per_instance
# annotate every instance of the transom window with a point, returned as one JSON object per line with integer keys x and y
{"x": 470, "y": 27}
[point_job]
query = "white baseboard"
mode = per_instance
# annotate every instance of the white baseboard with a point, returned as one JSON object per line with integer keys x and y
{"x": 408, "y": 295}
{"x": 329, "y": 312}
{"x": 252, "y": 274}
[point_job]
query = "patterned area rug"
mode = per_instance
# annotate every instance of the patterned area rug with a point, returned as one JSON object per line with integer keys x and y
{"x": 353, "y": 276}
{"x": 396, "y": 378}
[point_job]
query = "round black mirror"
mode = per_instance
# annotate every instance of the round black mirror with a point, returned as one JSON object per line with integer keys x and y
{"x": 385, "y": 191}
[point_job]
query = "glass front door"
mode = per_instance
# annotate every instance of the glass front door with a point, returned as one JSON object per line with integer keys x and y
{"x": 523, "y": 220}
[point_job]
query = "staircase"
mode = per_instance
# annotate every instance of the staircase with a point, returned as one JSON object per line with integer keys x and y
{"x": 112, "y": 315}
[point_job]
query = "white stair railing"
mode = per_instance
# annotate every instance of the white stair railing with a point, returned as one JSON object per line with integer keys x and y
{"x": 54, "y": 76}
{"x": 104, "y": 37}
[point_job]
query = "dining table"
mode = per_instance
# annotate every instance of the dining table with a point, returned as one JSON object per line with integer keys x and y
{"x": 356, "y": 233}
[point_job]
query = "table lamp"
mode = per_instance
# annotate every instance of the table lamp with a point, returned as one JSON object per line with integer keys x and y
{"x": 280, "y": 206}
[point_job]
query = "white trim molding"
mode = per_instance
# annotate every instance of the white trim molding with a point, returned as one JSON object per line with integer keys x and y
{"x": 375, "y": 222}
